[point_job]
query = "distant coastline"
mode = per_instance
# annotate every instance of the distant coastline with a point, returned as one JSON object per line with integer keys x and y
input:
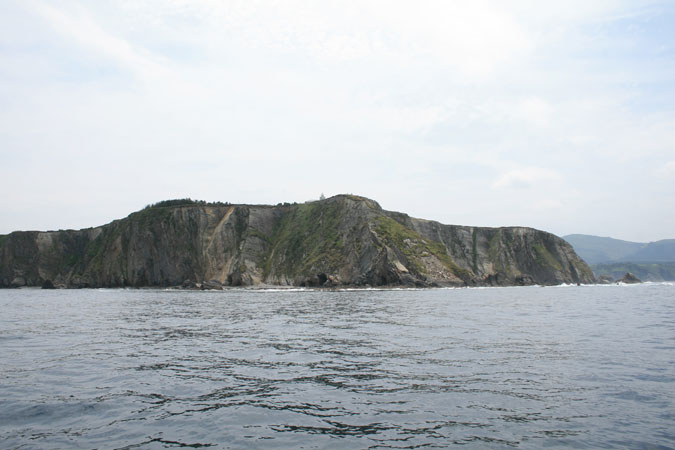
{"x": 608, "y": 257}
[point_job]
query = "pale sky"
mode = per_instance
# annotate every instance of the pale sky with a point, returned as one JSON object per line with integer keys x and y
{"x": 553, "y": 115}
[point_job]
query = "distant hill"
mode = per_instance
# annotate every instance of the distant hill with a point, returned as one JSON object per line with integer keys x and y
{"x": 596, "y": 249}
{"x": 659, "y": 251}
{"x": 653, "y": 261}
{"x": 664, "y": 271}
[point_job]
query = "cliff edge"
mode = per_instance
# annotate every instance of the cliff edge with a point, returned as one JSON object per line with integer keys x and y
{"x": 344, "y": 240}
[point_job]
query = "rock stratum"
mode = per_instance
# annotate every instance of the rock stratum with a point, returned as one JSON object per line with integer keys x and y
{"x": 345, "y": 240}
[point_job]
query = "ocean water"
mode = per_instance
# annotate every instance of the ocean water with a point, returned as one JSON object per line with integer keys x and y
{"x": 527, "y": 367}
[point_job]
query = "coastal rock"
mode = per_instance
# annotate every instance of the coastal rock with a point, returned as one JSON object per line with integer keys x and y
{"x": 345, "y": 240}
{"x": 48, "y": 284}
{"x": 18, "y": 282}
{"x": 331, "y": 281}
{"x": 212, "y": 285}
{"x": 239, "y": 279}
{"x": 524, "y": 280}
{"x": 493, "y": 279}
{"x": 629, "y": 278}
{"x": 79, "y": 282}
{"x": 605, "y": 279}
{"x": 188, "y": 284}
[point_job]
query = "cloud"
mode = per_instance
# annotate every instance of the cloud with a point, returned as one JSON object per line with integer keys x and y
{"x": 85, "y": 31}
{"x": 667, "y": 170}
{"x": 535, "y": 111}
{"x": 550, "y": 204}
{"x": 481, "y": 99}
{"x": 526, "y": 178}
{"x": 473, "y": 38}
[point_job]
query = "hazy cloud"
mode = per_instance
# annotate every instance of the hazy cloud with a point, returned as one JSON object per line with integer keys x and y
{"x": 446, "y": 110}
{"x": 526, "y": 177}
{"x": 667, "y": 170}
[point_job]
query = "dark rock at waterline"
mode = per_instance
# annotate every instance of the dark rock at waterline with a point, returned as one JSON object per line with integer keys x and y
{"x": 494, "y": 279}
{"x": 524, "y": 280}
{"x": 311, "y": 281}
{"x": 188, "y": 284}
{"x": 239, "y": 278}
{"x": 18, "y": 282}
{"x": 80, "y": 282}
{"x": 212, "y": 285}
{"x": 629, "y": 278}
{"x": 48, "y": 284}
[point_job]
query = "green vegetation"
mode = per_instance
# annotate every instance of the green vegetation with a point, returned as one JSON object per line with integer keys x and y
{"x": 68, "y": 251}
{"x": 73, "y": 259}
{"x": 474, "y": 249}
{"x": 545, "y": 258}
{"x": 372, "y": 204}
{"x": 173, "y": 240}
{"x": 659, "y": 251}
{"x": 644, "y": 271}
{"x": 414, "y": 246}
{"x": 145, "y": 216}
{"x": 584, "y": 270}
{"x": 604, "y": 250}
{"x": 307, "y": 236}
{"x": 493, "y": 245}
{"x": 356, "y": 198}
{"x": 411, "y": 244}
{"x": 240, "y": 223}
{"x": 494, "y": 250}
{"x": 184, "y": 202}
{"x": 94, "y": 248}
{"x": 595, "y": 249}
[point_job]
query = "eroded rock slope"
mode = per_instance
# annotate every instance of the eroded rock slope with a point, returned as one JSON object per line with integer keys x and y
{"x": 343, "y": 240}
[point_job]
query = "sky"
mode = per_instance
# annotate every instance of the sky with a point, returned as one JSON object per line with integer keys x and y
{"x": 553, "y": 115}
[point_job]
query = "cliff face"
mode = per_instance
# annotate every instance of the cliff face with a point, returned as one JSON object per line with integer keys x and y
{"x": 344, "y": 240}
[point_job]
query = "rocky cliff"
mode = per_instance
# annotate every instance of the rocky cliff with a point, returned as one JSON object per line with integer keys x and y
{"x": 343, "y": 240}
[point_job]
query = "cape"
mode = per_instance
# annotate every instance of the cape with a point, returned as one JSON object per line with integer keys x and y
{"x": 344, "y": 240}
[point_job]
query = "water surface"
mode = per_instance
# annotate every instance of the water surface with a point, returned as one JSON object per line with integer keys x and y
{"x": 587, "y": 366}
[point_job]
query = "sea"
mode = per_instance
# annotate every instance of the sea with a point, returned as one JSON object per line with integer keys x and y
{"x": 518, "y": 367}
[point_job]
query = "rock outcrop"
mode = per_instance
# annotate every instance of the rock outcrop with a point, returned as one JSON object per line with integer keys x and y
{"x": 604, "y": 279}
{"x": 629, "y": 278}
{"x": 343, "y": 240}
